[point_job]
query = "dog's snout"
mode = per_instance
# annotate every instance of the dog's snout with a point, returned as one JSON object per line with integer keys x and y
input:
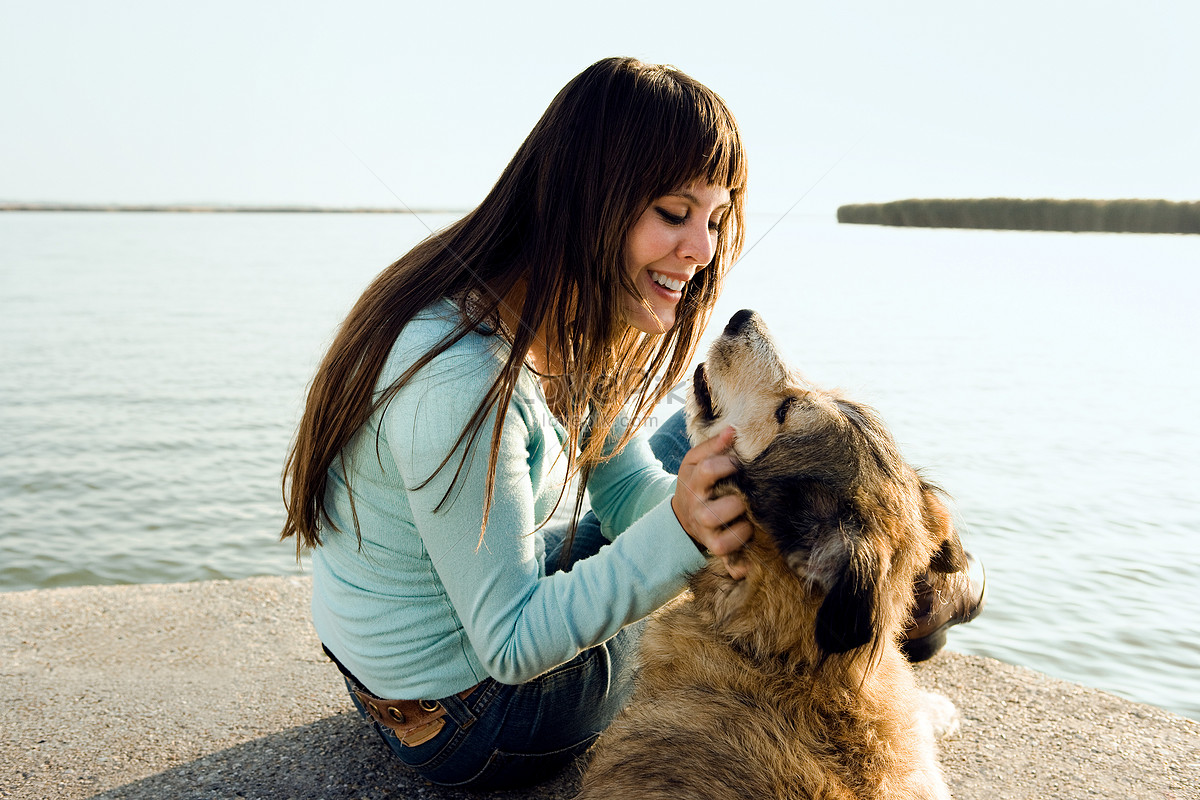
{"x": 739, "y": 321}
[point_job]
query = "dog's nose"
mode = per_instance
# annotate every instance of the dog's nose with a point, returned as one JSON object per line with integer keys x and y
{"x": 738, "y": 321}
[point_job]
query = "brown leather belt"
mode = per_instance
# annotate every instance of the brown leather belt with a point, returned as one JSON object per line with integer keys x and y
{"x": 413, "y": 721}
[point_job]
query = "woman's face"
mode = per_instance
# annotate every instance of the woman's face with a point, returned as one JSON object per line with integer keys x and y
{"x": 673, "y": 239}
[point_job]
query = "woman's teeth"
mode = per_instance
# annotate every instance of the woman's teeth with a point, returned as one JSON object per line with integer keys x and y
{"x": 669, "y": 283}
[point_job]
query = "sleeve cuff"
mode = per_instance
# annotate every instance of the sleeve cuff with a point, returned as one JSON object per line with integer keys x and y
{"x": 671, "y": 541}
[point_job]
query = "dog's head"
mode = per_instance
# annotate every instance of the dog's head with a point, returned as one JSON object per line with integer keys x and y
{"x": 830, "y": 499}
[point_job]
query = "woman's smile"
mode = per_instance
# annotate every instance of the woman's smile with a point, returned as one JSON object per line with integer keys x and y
{"x": 668, "y": 283}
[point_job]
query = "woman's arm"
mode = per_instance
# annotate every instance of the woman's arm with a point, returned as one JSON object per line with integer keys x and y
{"x": 626, "y": 486}
{"x": 519, "y": 622}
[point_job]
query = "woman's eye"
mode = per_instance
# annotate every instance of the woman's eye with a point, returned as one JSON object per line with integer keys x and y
{"x": 671, "y": 219}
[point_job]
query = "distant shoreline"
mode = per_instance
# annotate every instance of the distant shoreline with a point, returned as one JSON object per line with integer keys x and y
{"x": 201, "y": 208}
{"x": 1003, "y": 213}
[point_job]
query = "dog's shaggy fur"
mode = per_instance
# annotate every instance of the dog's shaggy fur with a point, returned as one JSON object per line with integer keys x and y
{"x": 789, "y": 683}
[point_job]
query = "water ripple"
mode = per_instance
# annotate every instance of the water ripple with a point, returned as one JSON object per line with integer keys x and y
{"x": 154, "y": 367}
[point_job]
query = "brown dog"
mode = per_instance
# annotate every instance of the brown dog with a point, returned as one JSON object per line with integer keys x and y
{"x": 789, "y": 683}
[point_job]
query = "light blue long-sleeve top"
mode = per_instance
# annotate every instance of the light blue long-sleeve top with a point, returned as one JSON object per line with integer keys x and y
{"x": 424, "y": 610}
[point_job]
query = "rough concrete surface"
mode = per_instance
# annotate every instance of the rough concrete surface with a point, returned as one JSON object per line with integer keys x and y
{"x": 220, "y": 690}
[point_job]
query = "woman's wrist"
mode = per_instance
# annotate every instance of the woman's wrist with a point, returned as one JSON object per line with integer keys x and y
{"x": 675, "y": 510}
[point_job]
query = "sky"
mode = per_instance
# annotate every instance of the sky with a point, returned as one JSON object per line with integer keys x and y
{"x": 422, "y": 105}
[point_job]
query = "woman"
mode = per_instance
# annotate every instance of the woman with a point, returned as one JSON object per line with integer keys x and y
{"x": 524, "y": 346}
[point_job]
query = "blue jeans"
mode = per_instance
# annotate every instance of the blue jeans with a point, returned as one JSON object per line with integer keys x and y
{"x": 502, "y": 735}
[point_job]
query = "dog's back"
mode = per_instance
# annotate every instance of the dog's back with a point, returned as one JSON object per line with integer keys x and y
{"x": 711, "y": 717}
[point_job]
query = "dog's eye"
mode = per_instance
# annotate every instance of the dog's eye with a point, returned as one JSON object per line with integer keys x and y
{"x": 784, "y": 407}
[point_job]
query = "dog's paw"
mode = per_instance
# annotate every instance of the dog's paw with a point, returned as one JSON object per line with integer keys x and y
{"x": 940, "y": 715}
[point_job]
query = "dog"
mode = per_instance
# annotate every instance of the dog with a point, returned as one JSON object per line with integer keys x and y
{"x": 789, "y": 683}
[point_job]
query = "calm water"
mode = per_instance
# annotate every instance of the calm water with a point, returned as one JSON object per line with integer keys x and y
{"x": 152, "y": 369}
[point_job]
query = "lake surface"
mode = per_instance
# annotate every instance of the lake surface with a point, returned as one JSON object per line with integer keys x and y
{"x": 153, "y": 367}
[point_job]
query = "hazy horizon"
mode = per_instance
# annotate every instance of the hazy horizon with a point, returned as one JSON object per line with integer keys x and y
{"x": 377, "y": 104}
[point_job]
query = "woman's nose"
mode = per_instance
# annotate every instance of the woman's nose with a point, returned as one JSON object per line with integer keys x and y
{"x": 699, "y": 243}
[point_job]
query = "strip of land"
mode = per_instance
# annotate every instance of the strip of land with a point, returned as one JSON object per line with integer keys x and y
{"x": 220, "y": 690}
{"x": 1001, "y": 213}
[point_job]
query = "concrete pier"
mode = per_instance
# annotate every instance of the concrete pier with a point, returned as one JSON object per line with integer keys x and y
{"x": 220, "y": 690}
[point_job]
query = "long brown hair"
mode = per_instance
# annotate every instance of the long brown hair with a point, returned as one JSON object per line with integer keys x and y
{"x": 617, "y": 136}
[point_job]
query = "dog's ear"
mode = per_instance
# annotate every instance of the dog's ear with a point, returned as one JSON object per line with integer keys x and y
{"x": 949, "y": 557}
{"x": 848, "y": 617}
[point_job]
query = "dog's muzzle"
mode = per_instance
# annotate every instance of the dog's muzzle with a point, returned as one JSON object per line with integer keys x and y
{"x": 739, "y": 321}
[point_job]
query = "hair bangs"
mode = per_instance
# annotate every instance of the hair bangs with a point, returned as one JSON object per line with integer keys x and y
{"x": 722, "y": 161}
{"x": 702, "y": 133}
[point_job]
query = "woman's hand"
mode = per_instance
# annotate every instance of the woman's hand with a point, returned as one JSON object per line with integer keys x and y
{"x": 719, "y": 524}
